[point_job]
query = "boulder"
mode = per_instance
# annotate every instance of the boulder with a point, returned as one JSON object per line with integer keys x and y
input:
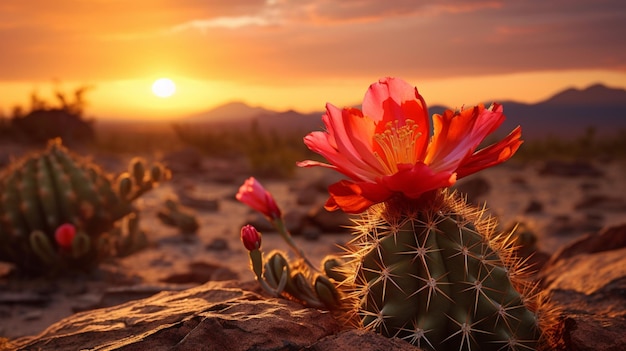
{"x": 330, "y": 221}
{"x": 587, "y": 281}
{"x": 570, "y": 169}
{"x": 220, "y": 316}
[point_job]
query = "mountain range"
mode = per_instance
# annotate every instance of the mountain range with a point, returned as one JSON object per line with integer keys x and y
{"x": 566, "y": 114}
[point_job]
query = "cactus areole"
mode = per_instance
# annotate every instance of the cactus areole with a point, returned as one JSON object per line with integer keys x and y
{"x": 44, "y": 194}
{"x": 424, "y": 266}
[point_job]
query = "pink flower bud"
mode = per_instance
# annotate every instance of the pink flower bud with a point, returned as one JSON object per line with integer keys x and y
{"x": 64, "y": 235}
{"x": 253, "y": 194}
{"x": 250, "y": 237}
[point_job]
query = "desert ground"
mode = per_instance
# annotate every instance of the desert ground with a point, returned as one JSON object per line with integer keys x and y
{"x": 557, "y": 201}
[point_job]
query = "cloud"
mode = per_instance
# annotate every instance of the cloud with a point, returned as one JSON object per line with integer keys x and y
{"x": 328, "y": 12}
{"x": 278, "y": 41}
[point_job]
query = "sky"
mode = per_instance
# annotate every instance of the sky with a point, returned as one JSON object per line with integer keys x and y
{"x": 300, "y": 54}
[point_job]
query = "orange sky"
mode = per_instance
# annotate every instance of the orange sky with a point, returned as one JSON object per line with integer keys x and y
{"x": 300, "y": 54}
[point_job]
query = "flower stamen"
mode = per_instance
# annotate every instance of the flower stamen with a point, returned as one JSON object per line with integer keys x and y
{"x": 397, "y": 145}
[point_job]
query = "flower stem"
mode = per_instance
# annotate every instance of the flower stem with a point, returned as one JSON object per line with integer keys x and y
{"x": 279, "y": 224}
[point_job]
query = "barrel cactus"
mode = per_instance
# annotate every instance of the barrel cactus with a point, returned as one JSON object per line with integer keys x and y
{"x": 441, "y": 278}
{"x": 424, "y": 265}
{"x": 46, "y": 190}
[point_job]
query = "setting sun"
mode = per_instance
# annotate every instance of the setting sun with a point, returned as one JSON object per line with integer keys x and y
{"x": 163, "y": 87}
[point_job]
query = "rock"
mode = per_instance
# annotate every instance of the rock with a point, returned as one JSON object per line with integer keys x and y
{"x": 534, "y": 206}
{"x": 217, "y": 244}
{"x": 589, "y": 186}
{"x": 210, "y": 205}
{"x": 319, "y": 183}
{"x": 361, "y": 340}
{"x": 519, "y": 181}
{"x": 607, "y": 239}
{"x": 474, "y": 188}
{"x": 23, "y": 297}
{"x": 602, "y": 202}
{"x": 311, "y": 233}
{"x": 294, "y": 219}
{"x": 525, "y": 245}
{"x": 220, "y": 316}
{"x": 258, "y": 220}
{"x": 330, "y": 221}
{"x": 307, "y": 195}
{"x": 587, "y": 281}
{"x": 120, "y": 294}
{"x": 184, "y": 161}
{"x": 570, "y": 169}
{"x": 200, "y": 272}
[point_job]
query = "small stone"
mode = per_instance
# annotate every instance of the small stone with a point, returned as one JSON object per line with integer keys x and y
{"x": 217, "y": 244}
{"x": 534, "y": 207}
{"x": 311, "y": 233}
{"x": 330, "y": 221}
{"x": 473, "y": 188}
{"x": 32, "y": 315}
{"x": 570, "y": 169}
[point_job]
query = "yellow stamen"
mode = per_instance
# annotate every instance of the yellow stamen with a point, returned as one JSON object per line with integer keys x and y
{"x": 397, "y": 145}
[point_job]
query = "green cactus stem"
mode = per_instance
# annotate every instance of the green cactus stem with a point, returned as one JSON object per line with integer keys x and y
{"x": 440, "y": 278}
{"x": 130, "y": 237}
{"x": 44, "y": 190}
{"x": 175, "y": 215}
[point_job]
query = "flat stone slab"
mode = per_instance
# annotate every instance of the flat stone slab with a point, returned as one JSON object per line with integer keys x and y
{"x": 215, "y": 316}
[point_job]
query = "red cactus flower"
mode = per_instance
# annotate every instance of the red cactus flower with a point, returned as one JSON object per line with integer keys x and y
{"x": 250, "y": 237}
{"x": 386, "y": 150}
{"x": 253, "y": 194}
{"x": 64, "y": 235}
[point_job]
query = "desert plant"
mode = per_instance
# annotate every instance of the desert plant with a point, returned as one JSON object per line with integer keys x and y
{"x": 269, "y": 153}
{"x": 47, "y": 120}
{"x": 424, "y": 265}
{"x": 175, "y": 215}
{"x": 44, "y": 191}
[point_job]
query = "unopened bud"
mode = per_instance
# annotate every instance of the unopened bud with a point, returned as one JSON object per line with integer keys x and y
{"x": 253, "y": 194}
{"x": 64, "y": 235}
{"x": 250, "y": 237}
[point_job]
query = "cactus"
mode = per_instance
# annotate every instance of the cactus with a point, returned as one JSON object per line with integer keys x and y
{"x": 425, "y": 266}
{"x": 441, "y": 278}
{"x": 433, "y": 272}
{"x": 128, "y": 236}
{"x": 173, "y": 214}
{"x": 45, "y": 190}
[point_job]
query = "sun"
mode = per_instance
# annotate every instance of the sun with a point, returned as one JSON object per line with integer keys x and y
{"x": 163, "y": 87}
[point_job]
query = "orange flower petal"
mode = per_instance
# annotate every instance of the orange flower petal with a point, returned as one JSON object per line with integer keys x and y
{"x": 354, "y": 197}
{"x": 492, "y": 155}
{"x": 457, "y": 135}
{"x": 386, "y": 152}
{"x": 394, "y": 100}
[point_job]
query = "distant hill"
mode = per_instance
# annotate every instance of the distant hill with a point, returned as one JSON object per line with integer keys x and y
{"x": 569, "y": 113}
{"x": 566, "y": 114}
{"x": 232, "y": 112}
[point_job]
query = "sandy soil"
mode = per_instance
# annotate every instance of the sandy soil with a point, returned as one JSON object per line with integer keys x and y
{"x": 177, "y": 262}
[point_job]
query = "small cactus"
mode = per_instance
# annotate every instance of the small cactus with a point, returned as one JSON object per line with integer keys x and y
{"x": 173, "y": 214}
{"x": 44, "y": 191}
{"x": 129, "y": 237}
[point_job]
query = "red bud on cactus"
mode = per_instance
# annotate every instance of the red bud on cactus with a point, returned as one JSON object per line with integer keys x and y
{"x": 250, "y": 237}
{"x": 253, "y": 194}
{"x": 64, "y": 235}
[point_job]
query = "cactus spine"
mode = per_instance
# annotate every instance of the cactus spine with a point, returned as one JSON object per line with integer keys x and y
{"x": 45, "y": 190}
{"x": 439, "y": 277}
